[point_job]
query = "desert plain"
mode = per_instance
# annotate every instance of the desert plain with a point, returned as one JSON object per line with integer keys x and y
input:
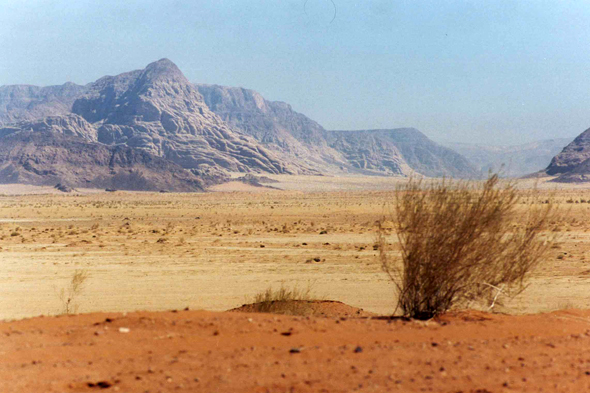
{"x": 163, "y": 268}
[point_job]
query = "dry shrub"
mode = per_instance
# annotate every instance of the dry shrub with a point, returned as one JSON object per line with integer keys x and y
{"x": 459, "y": 243}
{"x": 68, "y": 295}
{"x": 294, "y": 301}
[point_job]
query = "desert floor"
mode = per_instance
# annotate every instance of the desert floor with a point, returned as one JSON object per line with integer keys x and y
{"x": 215, "y": 251}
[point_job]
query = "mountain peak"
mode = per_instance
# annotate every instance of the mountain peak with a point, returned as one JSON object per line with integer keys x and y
{"x": 163, "y": 69}
{"x": 163, "y": 63}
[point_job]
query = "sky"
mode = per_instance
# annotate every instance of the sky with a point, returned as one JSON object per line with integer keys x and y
{"x": 491, "y": 72}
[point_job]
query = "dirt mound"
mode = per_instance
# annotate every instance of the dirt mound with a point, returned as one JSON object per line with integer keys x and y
{"x": 246, "y": 352}
{"x": 316, "y": 308}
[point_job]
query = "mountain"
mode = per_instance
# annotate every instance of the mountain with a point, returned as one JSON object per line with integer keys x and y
{"x": 24, "y": 102}
{"x": 387, "y": 150}
{"x": 47, "y": 158}
{"x": 275, "y": 125}
{"x": 70, "y": 124}
{"x": 369, "y": 153}
{"x": 157, "y": 110}
{"x": 512, "y": 161}
{"x": 156, "y": 121}
{"x": 302, "y": 141}
{"x": 572, "y": 164}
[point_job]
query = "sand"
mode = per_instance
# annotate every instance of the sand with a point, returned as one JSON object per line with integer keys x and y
{"x": 215, "y": 251}
{"x": 199, "y": 351}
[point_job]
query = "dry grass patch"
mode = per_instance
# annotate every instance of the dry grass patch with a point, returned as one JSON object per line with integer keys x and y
{"x": 288, "y": 301}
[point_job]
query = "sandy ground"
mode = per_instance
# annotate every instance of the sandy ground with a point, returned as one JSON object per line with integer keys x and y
{"x": 215, "y": 251}
{"x": 198, "y": 351}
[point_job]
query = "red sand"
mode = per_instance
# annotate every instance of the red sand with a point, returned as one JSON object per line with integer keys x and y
{"x": 240, "y": 352}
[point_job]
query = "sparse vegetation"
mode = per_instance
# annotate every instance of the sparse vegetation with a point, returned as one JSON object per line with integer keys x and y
{"x": 68, "y": 295}
{"x": 294, "y": 301}
{"x": 461, "y": 242}
{"x": 115, "y": 236}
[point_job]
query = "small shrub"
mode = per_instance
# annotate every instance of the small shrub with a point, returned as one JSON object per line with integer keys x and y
{"x": 68, "y": 295}
{"x": 459, "y": 244}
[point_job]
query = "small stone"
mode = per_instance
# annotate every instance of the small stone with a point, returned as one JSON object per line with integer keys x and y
{"x": 358, "y": 350}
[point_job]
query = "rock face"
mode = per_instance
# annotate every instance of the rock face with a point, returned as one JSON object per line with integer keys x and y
{"x": 370, "y": 152}
{"x": 47, "y": 158}
{"x": 157, "y": 110}
{"x": 571, "y": 156}
{"x": 394, "y": 150}
{"x": 572, "y": 164}
{"x": 72, "y": 125}
{"x": 289, "y": 134}
{"x": 24, "y": 102}
{"x": 512, "y": 161}
{"x": 308, "y": 145}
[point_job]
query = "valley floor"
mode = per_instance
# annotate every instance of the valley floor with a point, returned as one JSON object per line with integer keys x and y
{"x": 215, "y": 251}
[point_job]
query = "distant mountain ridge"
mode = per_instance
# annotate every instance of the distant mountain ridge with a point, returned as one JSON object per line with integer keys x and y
{"x": 275, "y": 125}
{"x": 374, "y": 152}
{"x": 25, "y": 102}
{"x": 200, "y": 131}
{"x": 511, "y": 160}
{"x": 382, "y": 149}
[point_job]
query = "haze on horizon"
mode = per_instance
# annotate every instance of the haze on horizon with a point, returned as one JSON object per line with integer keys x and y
{"x": 501, "y": 72}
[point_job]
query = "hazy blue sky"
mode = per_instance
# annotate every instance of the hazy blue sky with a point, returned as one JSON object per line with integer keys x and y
{"x": 492, "y": 71}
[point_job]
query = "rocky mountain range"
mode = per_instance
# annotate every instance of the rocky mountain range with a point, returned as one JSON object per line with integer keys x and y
{"x": 276, "y": 126}
{"x": 303, "y": 141}
{"x": 394, "y": 150}
{"x": 511, "y": 161}
{"x": 46, "y": 158}
{"x": 24, "y": 102}
{"x": 177, "y": 135}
